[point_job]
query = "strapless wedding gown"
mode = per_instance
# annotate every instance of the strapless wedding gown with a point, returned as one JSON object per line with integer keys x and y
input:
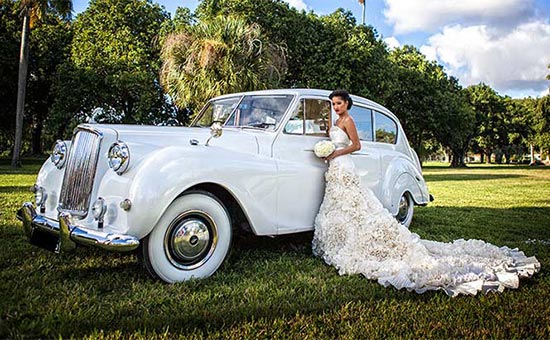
{"x": 357, "y": 235}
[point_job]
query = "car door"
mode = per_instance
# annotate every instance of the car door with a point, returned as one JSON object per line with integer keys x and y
{"x": 367, "y": 160}
{"x": 300, "y": 173}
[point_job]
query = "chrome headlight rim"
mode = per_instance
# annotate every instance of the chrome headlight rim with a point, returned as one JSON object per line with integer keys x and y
{"x": 59, "y": 154}
{"x": 40, "y": 196}
{"x": 119, "y": 157}
{"x": 99, "y": 208}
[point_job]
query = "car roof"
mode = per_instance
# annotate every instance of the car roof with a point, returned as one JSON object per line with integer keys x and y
{"x": 310, "y": 92}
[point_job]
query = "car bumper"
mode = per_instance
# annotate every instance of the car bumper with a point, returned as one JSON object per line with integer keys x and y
{"x": 62, "y": 236}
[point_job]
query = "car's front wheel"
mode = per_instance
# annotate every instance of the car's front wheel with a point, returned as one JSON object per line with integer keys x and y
{"x": 406, "y": 210}
{"x": 191, "y": 239}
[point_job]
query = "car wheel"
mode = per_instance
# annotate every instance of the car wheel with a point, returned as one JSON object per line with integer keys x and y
{"x": 191, "y": 239}
{"x": 406, "y": 210}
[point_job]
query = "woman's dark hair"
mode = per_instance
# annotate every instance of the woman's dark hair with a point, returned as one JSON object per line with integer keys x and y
{"x": 342, "y": 94}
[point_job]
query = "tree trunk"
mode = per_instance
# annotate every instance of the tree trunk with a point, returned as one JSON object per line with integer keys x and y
{"x": 532, "y": 152}
{"x": 457, "y": 159}
{"x": 21, "y": 88}
{"x": 508, "y": 155}
{"x": 488, "y": 154}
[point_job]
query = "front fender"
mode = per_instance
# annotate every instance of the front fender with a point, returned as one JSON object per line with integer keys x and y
{"x": 167, "y": 173}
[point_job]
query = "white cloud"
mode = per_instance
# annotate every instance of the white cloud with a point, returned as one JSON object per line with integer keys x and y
{"x": 298, "y": 4}
{"x": 392, "y": 42}
{"x": 429, "y": 15}
{"x": 517, "y": 60}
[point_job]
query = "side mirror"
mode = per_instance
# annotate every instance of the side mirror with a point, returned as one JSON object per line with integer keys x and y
{"x": 215, "y": 131}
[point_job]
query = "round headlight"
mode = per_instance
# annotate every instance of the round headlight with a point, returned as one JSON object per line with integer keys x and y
{"x": 119, "y": 157}
{"x": 99, "y": 208}
{"x": 59, "y": 154}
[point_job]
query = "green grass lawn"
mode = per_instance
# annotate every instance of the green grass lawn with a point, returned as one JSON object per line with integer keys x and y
{"x": 274, "y": 287}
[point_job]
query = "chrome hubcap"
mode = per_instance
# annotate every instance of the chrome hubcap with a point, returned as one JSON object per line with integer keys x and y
{"x": 403, "y": 209}
{"x": 190, "y": 240}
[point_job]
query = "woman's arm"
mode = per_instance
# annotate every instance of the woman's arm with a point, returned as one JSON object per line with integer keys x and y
{"x": 351, "y": 130}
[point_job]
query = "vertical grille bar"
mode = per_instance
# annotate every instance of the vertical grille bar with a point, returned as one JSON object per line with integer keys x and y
{"x": 80, "y": 171}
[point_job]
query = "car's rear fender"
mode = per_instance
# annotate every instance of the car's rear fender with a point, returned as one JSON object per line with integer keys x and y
{"x": 402, "y": 176}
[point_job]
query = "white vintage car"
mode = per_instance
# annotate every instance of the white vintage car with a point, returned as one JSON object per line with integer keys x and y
{"x": 178, "y": 194}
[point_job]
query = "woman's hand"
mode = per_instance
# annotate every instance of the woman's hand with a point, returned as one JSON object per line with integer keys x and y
{"x": 333, "y": 155}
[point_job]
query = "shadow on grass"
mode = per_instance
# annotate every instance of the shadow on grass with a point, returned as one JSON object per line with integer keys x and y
{"x": 503, "y": 167}
{"x": 445, "y": 177}
{"x": 264, "y": 279}
{"x": 29, "y": 166}
{"x": 15, "y": 189}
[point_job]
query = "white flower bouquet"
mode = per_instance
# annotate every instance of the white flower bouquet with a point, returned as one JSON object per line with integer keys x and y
{"x": 323, "y": 148}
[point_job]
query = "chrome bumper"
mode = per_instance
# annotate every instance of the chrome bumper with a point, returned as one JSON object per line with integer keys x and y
{"x": 61, "y": 236}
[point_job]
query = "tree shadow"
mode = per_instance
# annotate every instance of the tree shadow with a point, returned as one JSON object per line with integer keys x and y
{"x": 502, "y": 167}
{"x": 15, "y": 189}
{"x": 467, "y": 177}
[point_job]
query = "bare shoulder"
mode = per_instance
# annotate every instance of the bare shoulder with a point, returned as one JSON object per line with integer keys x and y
{"x": 348, "y": 121}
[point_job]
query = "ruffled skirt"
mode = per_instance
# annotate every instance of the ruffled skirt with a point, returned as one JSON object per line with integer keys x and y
{"x": 357, "y": 235}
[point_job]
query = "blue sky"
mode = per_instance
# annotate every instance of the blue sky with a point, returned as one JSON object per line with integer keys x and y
{"x": 503, "y": 43}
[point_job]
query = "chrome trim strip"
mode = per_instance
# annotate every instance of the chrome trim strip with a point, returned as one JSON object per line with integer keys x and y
{"x": 72, "y": 234}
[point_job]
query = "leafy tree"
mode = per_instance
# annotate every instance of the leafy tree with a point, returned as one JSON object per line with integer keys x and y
{"x": 454, "y": 125}
{"x": 489, "y": 111}
{"x": 32, "y": 12}
{"x": 542, "y": 123}
{"x": 10, "y": 24}
{"x": 51, "y": 46}
{"x": 328, "y": 51}
{"x": 114, "y": 66}
{"x": 216, "y": 56}
{"x": 417, "y": 93}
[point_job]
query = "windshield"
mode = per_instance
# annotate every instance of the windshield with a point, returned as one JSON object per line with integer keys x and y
{"x": 260, "y": 111}
{"x": 217, "y": 111}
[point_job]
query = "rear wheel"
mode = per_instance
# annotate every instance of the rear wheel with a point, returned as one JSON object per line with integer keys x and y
{"x": 191, "y": 239}
{"x": 406, "y": 210}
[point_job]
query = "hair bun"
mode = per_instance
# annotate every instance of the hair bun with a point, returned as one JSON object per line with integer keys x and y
{"x": 342, "y": 94}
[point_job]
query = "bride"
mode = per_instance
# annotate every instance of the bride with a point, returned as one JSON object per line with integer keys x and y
{"x": 357, "y": 235}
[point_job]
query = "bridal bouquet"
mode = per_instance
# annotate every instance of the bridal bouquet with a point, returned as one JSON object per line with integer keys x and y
{"x": 323, "y": 148}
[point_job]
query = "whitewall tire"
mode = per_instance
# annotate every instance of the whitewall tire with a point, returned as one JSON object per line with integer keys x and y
{"x": 406, "y": 210}
{"x": 191, "y": 239}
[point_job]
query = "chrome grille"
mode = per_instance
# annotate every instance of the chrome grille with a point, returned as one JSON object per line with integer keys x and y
{"x": 80, "y": 171}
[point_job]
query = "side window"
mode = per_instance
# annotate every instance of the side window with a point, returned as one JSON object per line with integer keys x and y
{"x": 386, "y": 129}
{"x": 363, "y": 121}
{"x": 310, "y": 118}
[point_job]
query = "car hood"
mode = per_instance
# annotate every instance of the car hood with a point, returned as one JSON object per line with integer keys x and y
{"x": 161, "y": 136}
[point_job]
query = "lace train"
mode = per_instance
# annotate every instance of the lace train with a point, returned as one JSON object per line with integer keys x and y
{"x": 357, "y": 235}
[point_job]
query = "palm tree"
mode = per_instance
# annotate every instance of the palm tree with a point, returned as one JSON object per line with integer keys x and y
{"x": 364, "y": 3}
{"x": 221, "y": 55}
{"x": 32, "y": 12}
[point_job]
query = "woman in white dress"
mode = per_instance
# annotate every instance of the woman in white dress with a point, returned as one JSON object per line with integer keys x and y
{"x": 357, "y": 235}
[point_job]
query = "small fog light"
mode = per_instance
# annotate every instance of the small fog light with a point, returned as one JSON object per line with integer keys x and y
{"x": 98, "y": 211}
{"x": 40, "y": 197}
{"x": 126, "y": 204}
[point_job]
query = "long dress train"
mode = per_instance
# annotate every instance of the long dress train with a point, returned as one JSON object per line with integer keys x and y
{"x": 357, "y": 235}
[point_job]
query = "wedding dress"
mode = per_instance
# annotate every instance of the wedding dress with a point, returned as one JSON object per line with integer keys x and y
{"x": 357, "y": 235}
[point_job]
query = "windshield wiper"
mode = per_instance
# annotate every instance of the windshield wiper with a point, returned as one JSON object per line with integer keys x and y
{"x": 262, "y": 125}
